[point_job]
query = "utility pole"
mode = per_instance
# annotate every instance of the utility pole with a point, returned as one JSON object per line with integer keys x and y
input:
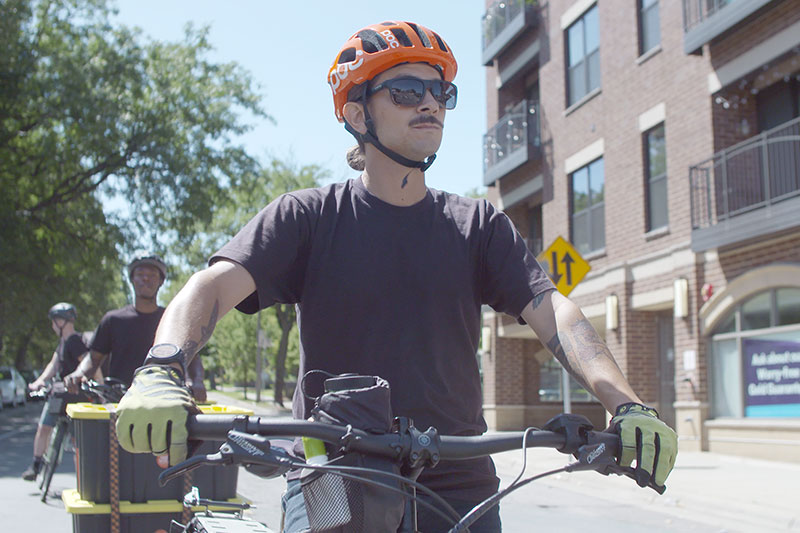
{"x": 259, "y": 343}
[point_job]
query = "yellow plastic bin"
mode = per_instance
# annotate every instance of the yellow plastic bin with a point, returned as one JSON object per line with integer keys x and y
{"x": 138, "y": 473}
{"x": 93, "y": 517}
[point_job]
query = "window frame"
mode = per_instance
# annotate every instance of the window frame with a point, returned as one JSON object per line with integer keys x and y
{"x": 738, "y": 335}
{"x": 591, "y": 208}
{"x": 649, "y": 179}
{"x": 583, "y": 63}
{"x": 641, "y": 12}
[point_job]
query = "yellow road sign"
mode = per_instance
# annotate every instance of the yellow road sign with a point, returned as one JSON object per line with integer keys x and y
{"x": 564, "y": 265}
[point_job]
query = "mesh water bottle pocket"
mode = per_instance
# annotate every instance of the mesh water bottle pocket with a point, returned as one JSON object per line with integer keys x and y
{"x": 333, "y": 503}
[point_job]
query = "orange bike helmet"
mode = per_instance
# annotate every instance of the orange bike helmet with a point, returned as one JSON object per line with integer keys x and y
{"x": 379, "y": 47}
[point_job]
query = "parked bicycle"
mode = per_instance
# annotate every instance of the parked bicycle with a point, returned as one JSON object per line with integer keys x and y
{"x": 111, "y": 391}
{"x": 336, "y": 490}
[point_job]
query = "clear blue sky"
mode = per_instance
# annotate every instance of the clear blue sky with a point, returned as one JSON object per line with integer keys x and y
{"x": 289, "y": 45}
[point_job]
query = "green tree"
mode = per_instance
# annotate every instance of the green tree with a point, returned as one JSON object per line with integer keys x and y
{"x": 91, "y": 112}
{"x": 234, "y": 341}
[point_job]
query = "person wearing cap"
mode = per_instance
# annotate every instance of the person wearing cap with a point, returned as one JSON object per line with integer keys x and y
{"x": 389, "y": 277}
{"x": 70, "y": 351}
{"x": 127, "y": 333}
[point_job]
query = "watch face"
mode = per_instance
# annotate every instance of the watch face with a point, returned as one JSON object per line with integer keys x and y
{"x": 164, "y": 351}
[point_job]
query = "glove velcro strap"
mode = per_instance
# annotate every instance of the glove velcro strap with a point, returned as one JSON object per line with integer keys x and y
{"x": 633, "y": 407}
{"x": 173, "y": 372}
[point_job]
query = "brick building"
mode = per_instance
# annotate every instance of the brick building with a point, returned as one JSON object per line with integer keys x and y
{"x": 662, "y": 139}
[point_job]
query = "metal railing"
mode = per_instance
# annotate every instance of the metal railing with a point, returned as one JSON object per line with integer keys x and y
{"x": 760, "y": 171}
{"x": 516, "y": 129}
{"x": 697, "y": 11}
{"x": 498, "y": 16}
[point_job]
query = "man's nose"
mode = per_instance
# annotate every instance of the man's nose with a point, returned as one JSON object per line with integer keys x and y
{"x": 429, "y": 103}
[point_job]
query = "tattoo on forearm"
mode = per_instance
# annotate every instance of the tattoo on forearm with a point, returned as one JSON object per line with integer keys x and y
{"x": 405, "y": 181}
{"x": 537, "y": 301}
{"x": 191, "y": 347}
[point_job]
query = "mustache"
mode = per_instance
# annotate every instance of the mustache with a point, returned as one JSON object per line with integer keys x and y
{"x": 426, "y": 119}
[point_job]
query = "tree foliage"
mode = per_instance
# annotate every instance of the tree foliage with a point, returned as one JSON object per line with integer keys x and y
{"x": 233, "y": 345}
{"x": 91, "y": 112}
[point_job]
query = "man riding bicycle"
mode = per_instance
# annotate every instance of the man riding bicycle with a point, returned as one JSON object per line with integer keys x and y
{"x": 70, "y": 351}
{"x": 127, "y": 333}
{"x": 389, "y": 277}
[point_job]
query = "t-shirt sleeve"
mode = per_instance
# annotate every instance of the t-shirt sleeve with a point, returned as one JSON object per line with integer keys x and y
{"x": 273, "y": 248}
{"x": 101, "y": 340}
{"x": 511, "y": 275}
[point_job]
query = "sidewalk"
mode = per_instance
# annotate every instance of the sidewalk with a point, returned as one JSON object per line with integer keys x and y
{"x": 728, "y": 493}
{"x": 264, "y": 408}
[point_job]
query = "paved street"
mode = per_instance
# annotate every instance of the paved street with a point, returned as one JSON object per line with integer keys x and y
{"x": 706, "y": 492}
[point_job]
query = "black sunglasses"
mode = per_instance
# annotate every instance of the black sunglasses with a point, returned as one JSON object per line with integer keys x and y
{"x": 411, "y": 91}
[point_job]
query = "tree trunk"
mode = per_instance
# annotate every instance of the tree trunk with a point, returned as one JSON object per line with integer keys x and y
{"x": 286, "y": 320}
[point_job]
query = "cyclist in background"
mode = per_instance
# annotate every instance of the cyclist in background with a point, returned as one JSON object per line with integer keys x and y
{"x": 70, "y": 351}
{"x": 127, "y": 333}
{"x": 389, "y": 277}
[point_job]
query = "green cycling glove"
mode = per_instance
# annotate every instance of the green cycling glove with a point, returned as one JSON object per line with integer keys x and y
{"x": 648, "y": 440}
{"x": 151, "y": 417}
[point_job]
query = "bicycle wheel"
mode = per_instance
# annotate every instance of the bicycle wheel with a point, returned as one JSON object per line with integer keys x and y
{"x": 52, "y": 457}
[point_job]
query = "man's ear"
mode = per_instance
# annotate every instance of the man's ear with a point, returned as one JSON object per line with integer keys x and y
{"x": 354, "y": 115}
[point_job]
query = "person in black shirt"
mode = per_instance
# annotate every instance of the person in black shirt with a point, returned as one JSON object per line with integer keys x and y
{"x": 71, "y": 349}
{"x": 388, "y": 276}
{"x": 127, "y": 333}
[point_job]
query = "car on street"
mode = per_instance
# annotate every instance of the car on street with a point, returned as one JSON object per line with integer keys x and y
{"x": 13, "y": 387}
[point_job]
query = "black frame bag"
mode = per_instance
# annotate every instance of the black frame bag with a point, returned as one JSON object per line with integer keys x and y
{"x": 340, "y": 505}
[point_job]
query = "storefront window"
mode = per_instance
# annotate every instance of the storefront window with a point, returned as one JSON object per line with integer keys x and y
{"x": 755, "y": 312}
{"x": 550, "y": 385}
{"x": 755, "y": 368}
{"x": 788, "y": 306}
{"x": 726, "y": 379}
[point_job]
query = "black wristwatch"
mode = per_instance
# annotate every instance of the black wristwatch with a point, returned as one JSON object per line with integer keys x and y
{"x": 165, "y": 354}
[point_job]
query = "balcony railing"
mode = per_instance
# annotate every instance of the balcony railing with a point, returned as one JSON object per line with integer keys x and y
{"x": 697, "y": 11}
{"x": 502, "y": 23}
{"x": 506, "y": 145}
{"x": 704, "y": 20}
{"x": 753, "y": 174}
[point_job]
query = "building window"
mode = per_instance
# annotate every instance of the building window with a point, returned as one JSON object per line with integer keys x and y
{"x": 588, "y": 232}
{"x": 755, "y": 358}
{"x": 649, "y": 30}
{"x": 550, "y": 385}
{"x": 655, "y": 152}
{"x": 583, "y": 56}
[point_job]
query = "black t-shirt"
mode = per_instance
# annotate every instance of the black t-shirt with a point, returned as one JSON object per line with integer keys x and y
{"x": 127, "y": 335}
{"x": 69, "y": 354}
{"x": 394, "y": 292}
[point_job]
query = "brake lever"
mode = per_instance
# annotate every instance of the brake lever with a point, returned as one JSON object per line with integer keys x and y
{"x": 601, "y": 457}
{"x": 190, "y": 464}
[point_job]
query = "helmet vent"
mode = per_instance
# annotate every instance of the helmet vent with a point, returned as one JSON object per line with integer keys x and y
{"x": 372, "y": 41}
{"x": 347, "y": 55}
{"x": 401, "y": 37}
{"x": 440, "y": 42}
{"x": 421, "y": 34}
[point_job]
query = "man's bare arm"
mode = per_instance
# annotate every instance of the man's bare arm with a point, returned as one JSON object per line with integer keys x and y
{"x": 191, "y": 317}
{"x": 562, "y": 327}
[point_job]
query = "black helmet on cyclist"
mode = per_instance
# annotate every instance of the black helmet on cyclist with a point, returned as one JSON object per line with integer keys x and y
{"x": 63, "y": 310}
{"x": 152, "y": 260}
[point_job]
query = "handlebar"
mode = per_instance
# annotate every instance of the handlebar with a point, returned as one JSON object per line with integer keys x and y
{"x": 569, "y": 434}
